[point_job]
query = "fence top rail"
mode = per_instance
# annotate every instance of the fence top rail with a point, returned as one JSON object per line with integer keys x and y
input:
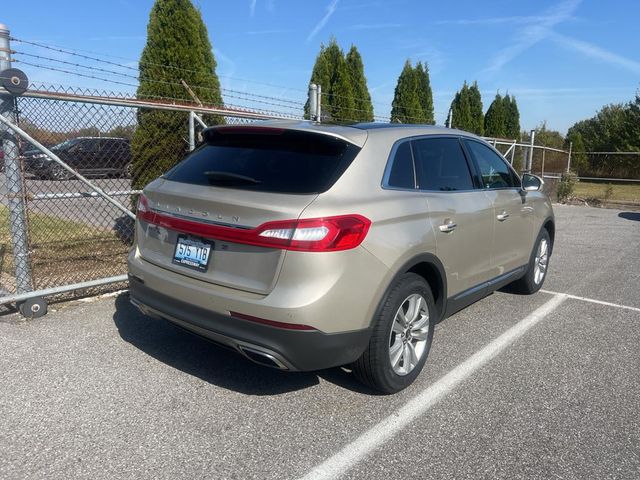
{"x": 601, "y": 179}
{"x": 132, "y": 102}
{"x": 527, "y": 145}
{"x": 609, "y": 153}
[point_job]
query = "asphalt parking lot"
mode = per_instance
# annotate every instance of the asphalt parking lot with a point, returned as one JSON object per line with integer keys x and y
{"x": 544, "y": 386}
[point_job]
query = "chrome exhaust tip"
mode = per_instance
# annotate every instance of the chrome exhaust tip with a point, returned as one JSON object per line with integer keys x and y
{"x": 262, "y": 358}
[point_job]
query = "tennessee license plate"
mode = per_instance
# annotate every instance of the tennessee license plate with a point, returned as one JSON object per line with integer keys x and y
{"x": 192, "y": 252}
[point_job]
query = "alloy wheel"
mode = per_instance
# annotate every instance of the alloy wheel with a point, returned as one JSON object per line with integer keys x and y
{"x": 542, "y": 258}
{"x": 409, "y": 333}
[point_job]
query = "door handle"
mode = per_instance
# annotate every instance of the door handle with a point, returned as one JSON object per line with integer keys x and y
{"x": 449, "y": 226}
{"x": 502, "y": 216}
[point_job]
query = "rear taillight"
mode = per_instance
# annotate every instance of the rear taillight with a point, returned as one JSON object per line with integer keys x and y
{"x": 143, "y": 211}
{"x": 316, "y": 234}
{"x": 326, "y": 234}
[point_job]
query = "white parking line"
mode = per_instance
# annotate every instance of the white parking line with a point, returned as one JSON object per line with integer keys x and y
{"x": 357, "y": 450}
{"x": 593, "y": 300}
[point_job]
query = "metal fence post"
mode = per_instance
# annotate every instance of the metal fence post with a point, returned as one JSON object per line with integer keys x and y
{"x": 313, "y": 102}
{"x": 319, "y": 104}
{"x": 13, "y": 177}
{"x": 192, "y": 132}
{"x": 529, "y": 165}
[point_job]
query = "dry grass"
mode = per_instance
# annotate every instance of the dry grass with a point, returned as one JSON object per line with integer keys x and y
{"x": 619, "y": 192}
{"x": 63, "y": 251}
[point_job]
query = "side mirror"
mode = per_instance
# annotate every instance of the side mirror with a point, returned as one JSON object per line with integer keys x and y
{"x": 531, "y": 183}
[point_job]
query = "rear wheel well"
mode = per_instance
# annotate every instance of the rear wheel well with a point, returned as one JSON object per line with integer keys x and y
{"x": 550, "y": 227}
{"x": 432, "y": 276}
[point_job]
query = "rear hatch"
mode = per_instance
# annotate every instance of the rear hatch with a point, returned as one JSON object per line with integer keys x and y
{"x": 201, "y": 218}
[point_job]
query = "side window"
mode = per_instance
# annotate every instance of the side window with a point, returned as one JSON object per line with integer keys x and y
{"x": 401, "y": 174}
{"x": 89, "y": 145}
{"x": 441, "y": 165}
{"x": 112, "y": 146}
{"x": 494, "y": 170}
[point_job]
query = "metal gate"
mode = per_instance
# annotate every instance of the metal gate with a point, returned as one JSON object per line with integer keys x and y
{"x": 68, "y": 180}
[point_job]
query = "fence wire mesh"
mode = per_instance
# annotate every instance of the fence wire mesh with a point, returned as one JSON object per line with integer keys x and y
{"x": 72, "y": 234}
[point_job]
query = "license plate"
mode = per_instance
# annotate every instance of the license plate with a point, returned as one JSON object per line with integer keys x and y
{"x": 192, "y": 252}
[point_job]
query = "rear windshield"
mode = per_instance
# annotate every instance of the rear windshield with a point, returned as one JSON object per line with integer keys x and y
{"x": 266, "y": 160}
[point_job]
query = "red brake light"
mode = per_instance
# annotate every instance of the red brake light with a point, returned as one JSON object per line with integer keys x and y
{"x": 326, "y": 234}
{"x": 316, "y": 234}
{"x": 143, "y": 211}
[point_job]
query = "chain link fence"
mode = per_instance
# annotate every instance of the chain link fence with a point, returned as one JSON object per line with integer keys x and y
{"x": 74, "y": 228}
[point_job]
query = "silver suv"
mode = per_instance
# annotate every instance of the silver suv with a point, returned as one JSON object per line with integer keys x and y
{"x": 306, "y": 246}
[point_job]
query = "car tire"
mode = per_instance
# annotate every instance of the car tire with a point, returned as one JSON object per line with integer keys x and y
{"x": 127, "y": 171}
{"x": 538, "y": 267}
{"x": 56, "y": 172}
{"x": 382, "y": 366}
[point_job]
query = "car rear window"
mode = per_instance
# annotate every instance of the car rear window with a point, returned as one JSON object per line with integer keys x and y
{"x": 266, "y": 160}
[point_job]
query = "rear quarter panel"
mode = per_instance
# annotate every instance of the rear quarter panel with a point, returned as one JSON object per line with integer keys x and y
{"x": 400, "y": 228}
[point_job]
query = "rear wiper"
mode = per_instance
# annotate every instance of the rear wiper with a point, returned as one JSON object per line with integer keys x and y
{"x": 230, "y": 177}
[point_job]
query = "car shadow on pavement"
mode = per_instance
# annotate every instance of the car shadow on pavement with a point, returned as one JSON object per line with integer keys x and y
{"x": 214, "y": 364}
{"x": 630, "y": 216}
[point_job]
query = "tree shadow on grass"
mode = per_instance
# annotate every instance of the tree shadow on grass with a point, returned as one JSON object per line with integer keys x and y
{"x": 216, "y": 365}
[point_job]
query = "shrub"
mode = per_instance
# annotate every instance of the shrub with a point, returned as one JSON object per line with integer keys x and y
{"x": 567, "y": 186}
{"x": 608, "y": 193}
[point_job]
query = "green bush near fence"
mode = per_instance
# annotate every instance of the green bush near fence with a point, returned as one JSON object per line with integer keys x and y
{"x": 567, "y": 186}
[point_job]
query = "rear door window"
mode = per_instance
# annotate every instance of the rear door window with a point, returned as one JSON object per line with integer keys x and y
{"x": 494, "y": 170}
{"x": 266, "y": 160}
{"x": 441, "y": 165}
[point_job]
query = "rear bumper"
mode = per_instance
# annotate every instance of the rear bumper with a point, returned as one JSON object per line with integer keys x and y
{"x": 271, "y": 346}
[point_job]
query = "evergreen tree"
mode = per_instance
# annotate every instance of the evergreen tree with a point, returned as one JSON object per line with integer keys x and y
{"x": 461, "y": 109}
{"x": 512, "y": 117}
{"x": 477, "y": 117}
{"x": 362, "y": 98}
{"x": 494, "y": 120}
{"x": 332, "y": 74}
{"x": 320, "y": 75}
{"x": 425, "y": 94}
{"x": 177, "y": 48}
{"x": 406, "y": 106}
{"x": 579, "y": 162}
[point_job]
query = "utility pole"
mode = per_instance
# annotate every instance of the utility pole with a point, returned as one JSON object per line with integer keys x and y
{"x": 12, "y": 171}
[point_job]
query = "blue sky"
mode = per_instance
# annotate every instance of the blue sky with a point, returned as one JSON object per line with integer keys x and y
{"x": 562, "y": 59}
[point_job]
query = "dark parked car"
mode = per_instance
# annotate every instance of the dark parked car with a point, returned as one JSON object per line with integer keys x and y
{"x": 92, "y": 156}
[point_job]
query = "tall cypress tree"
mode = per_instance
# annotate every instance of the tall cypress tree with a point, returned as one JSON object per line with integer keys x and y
{"x": 362, "y": 98}
{"x": 406, "y": 106}
{"x": 320, "y": 75}
{"x": 425, "y": 94}
{"x": 461, "y": 109}
{"x": 332, "y": 73}
{"x": 475, "y": 102}
{"x": 512, "y": 117}
{"x": 495, "y": 120}
{"x": 177, "y": 48}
